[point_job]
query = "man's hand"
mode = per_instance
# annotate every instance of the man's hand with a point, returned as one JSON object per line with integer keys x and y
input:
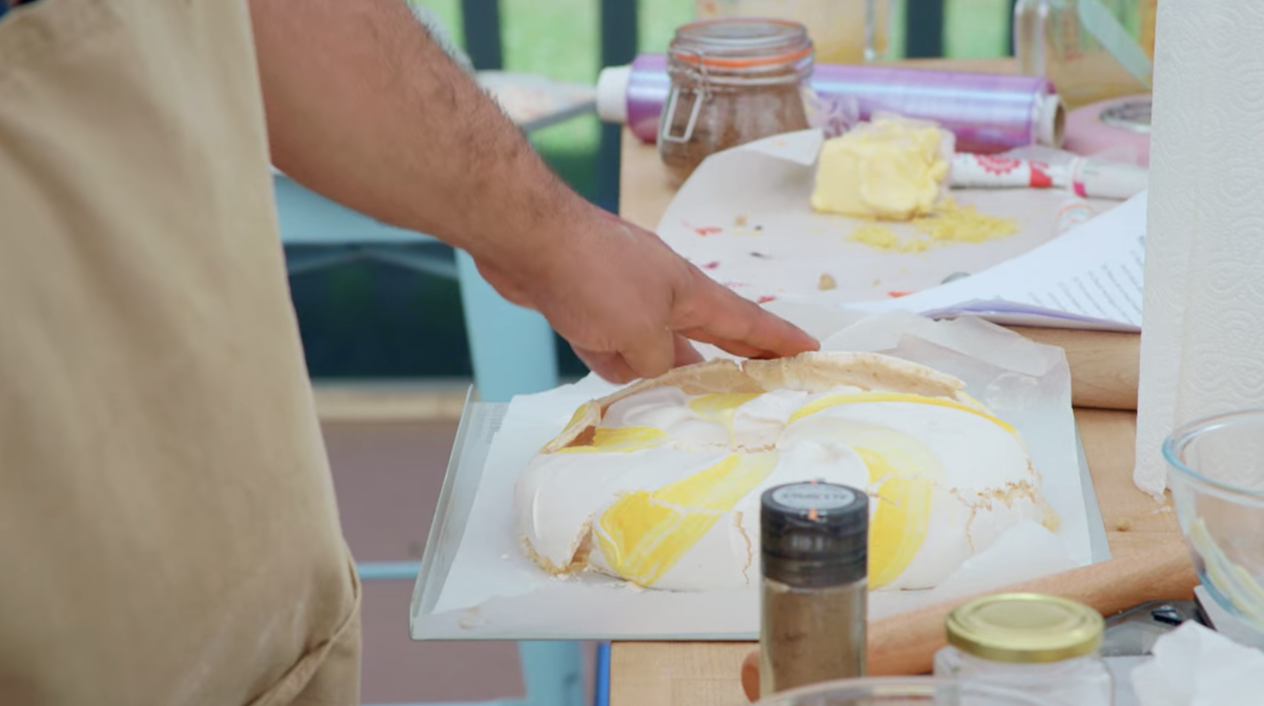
{"x": 366, "y": 109}
{"x": 628, "y": 304}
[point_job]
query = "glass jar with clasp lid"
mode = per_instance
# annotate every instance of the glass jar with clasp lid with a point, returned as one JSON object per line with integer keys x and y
{"x": 1042, "y": 645}
{"x": 733, "y": 81}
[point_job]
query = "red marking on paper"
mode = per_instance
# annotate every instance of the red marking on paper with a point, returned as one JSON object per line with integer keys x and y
{"x": 765, "y": 299}
{"x": 896, "y": 295}
{"x": 711, "y": 265}
{"x": 703, "y": 230}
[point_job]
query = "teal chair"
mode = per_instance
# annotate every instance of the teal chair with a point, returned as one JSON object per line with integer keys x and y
{"x": 512, "y": 349}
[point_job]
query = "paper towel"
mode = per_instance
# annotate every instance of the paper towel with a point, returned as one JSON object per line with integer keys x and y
{"x": 1202, "y": 343}
{"x": 1193, "y": 666}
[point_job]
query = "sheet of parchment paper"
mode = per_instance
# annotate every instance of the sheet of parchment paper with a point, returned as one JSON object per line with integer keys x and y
{"x": 494, "y": 592}
{"x": 745, "y": 218}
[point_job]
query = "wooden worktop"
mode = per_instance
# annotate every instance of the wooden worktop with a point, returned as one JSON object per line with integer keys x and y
{"x": 1104, "y": 372}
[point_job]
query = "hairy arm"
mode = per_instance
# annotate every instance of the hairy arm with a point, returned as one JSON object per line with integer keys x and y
{"x": 366, "y": 109}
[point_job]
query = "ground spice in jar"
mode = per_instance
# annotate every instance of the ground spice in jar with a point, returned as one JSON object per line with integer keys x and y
{"x": 814, "y": 553}
{"x": 734, "y": 81}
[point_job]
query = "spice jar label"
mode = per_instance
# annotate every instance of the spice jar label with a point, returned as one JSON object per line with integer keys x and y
{"x": 807, "y": 496}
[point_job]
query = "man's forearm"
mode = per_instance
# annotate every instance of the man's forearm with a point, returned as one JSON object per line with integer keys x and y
{"x": 364, "y": 108}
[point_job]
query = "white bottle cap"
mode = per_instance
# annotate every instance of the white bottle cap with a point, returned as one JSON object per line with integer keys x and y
{"x": 612, "y": 94}
{"x": 1050, "y": 120}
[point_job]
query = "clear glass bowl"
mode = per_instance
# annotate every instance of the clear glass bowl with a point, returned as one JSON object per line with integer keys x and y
{"x": 903, "y": 691}
{"x": 1217, "y": 480}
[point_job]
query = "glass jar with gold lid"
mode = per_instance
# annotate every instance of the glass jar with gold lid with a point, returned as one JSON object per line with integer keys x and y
{"x": 733, "y": 81}
{"x": 1043, "y": 645}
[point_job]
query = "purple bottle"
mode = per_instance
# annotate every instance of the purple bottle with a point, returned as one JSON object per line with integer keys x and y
{"x": 988, "y": 113}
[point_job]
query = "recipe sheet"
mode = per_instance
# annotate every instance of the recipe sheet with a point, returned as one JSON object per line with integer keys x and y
{"x": 1090, "y": 277}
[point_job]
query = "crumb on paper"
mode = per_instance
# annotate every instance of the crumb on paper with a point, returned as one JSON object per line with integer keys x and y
{"x": 761, "y": 256}
{"x": 964, "y": 224}
{"x": 877, "y": 236}
{"x": 826, "y": 282}
{"x": 759, "y": 227}
{"x": 504, "y": 557}
{"x": 902, "y": 270}
{"x": 949, "y": 224}
{"x": 740, "y": 221}
{"x": 471, "y": 618}
{"x": 1123, "y": 525}
{"x": 877, "y": 283}
{"x": 883, "y": 238}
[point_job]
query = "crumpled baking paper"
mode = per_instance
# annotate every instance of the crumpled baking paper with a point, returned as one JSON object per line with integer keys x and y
{"x": 1194, "y": 666}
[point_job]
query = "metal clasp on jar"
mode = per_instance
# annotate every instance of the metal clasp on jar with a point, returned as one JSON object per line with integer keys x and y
{"x": 700, "y": 95}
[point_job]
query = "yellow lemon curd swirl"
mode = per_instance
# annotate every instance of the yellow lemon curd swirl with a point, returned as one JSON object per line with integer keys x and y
{"x": 720, "y": 409}
{"x": 902, "y": 475}
{"x": 643, "y": 534}
{"x": 620, "y": 440}
{"x": 829, "y": 401}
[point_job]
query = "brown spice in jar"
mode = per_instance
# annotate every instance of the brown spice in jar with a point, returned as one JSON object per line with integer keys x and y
{"x": 731, "y": 116}
{"x": 812, "y": 635}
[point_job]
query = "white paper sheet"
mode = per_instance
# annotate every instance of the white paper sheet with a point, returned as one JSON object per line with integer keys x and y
{"x": 745, "y": 218}
{"x": 493, "y": 591}
{"x": 1090, "y": 277}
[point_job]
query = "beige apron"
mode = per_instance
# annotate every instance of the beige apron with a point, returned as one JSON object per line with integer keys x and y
{"x": 168, "y": 532}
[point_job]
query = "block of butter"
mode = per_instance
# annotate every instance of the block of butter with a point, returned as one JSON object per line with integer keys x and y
{"x": 889, "y": 169}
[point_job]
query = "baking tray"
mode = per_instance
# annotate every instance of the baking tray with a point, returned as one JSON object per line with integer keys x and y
{"x": 478, "y": 425}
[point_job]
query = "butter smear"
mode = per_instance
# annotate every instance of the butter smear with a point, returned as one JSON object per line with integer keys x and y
{"x": 888, "y": 169}
{"x": 892, "y": 169}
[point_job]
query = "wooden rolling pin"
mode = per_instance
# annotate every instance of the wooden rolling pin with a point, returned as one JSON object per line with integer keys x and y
{"x": 906, "y": 643}
{"x": 1103, "y": 364}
